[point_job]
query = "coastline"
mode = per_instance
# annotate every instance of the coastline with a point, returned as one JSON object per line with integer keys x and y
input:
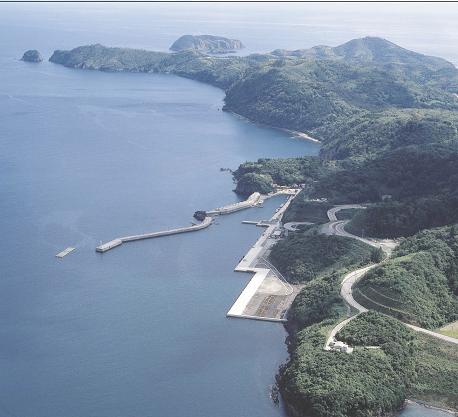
{"x": 296, "y": 134}
{"x": 299, "y": 135}
{"x": 430, "y": 406}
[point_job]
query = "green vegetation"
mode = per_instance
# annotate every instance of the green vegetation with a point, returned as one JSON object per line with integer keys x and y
{"x": 375, "y": 329}
{"x": 303, "y": 256}
{"x": 251, "y": 182}
{"x": 388, "y": 122}
{"x": 368, "y": 382}
{"x": 206, "y": 43}
{"x": 419, "y": 284}
{"x": 319, "y": 300}
{"x": 221, "y": 72}
{"x": 408, "y": 196}
{"x": 347, "y": 214}
{"x": 370, "y": 134}
{"x": 406, "y": 173}
{"x": 437, "y": 372}
{"x": 318, "y": 383}
{"x": 303, "y": 210}
{"x": 285, "y": 171}
{"x": 360, "y": 98}
{"x": 450, "y": 329}
{"x": 261, "y": 175}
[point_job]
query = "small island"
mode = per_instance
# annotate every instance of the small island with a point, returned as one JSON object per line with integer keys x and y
{"x": 32, "y": 55}
{"x": 206, "y": 43}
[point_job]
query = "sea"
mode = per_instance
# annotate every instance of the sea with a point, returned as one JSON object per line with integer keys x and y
{"x": 87, "y": 156}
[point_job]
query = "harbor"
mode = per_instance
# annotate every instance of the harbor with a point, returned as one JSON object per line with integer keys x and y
{"x": 268, "y": 295}
{"x": 255, "y": 199}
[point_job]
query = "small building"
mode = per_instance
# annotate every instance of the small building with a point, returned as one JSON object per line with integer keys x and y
{"x": 277, "y": 234}
{"x": 341, "y": 347}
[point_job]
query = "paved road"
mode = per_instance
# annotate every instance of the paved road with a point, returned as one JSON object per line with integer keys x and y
{"x": 332, "y": 212}
{"x": 346, "y": 287}
{"x": 336, "y": 227}
{"x": 292, "y": 226}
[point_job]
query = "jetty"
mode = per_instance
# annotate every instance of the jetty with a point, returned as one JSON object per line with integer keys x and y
{"x": 119, "y": 241}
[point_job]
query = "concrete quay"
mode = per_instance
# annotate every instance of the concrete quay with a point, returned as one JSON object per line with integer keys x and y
{"x": 117, "y": 242}
{"x": 267, "y": 296}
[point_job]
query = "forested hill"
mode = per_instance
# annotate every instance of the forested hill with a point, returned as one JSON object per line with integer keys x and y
{"x": 339, "y": 95}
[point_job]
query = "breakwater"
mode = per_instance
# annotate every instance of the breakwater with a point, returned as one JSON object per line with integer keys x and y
{"x": 252, "y": 200}
{"x": 119, "y": 241}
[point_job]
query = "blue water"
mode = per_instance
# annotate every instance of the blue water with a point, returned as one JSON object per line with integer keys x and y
{"x": 88, "y": 156}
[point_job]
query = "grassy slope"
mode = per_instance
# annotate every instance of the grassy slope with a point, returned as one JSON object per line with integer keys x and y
{"x": 419, "y": 284}
{"x": 437, "y": 373}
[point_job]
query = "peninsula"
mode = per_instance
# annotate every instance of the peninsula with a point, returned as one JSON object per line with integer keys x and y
{"x": 376, "y": 287}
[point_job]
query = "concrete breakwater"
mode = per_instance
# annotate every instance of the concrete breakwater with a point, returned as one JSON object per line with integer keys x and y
{"x": 116, "y": 242}
{"x": 252, "y": 200}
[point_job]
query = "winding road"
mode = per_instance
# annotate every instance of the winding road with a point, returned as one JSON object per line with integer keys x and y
{"x": 336, "y": 227}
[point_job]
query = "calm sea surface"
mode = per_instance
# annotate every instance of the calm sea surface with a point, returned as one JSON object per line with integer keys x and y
{"x": 89, "y": 156}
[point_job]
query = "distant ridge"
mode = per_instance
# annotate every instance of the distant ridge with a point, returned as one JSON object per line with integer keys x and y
{"x": 370, "y": 50}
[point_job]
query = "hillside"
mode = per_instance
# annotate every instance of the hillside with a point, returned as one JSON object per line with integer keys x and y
{"x": 339, "y": 95}
{"x": 280, "y": 171}
{"x": 221, "y": 72}
{"x": 389, "y": 118}
{"x": 369, "y": 383}
{"x": 377, "y": 52}
{"x": 302, "y": 257}
{"x": 206, "y": 43}
{"x": 419, "y": 284}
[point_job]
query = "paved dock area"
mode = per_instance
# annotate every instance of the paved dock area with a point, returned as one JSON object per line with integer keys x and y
{"x": 267, "y": 295}
{"x": 272, "y": 299}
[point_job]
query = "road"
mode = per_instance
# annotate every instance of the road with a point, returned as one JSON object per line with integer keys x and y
{"x": 292, "y": 226}
{"x": 333, "y": 211}
{"x": 336, "y": 227}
